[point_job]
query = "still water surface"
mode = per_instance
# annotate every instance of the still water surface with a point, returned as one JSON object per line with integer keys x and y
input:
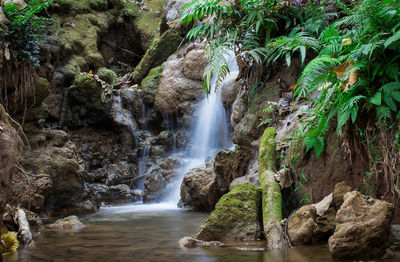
{"x": 150, "y": 233}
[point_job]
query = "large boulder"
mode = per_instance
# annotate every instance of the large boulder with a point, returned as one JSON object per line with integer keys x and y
{"x": 198, "y": 189}
{"x": 194, "y": 64}
{"x": 10, "y": 149}
{"x": 176, "y": 93}
{"x": 56, "y": 171}
{"x": 363, "y": 227}
{"x": 236, "y": 216}
{"x": 302, "y": 225}
{"x": 171, "y": 14}
{"x": 338, "y": 193}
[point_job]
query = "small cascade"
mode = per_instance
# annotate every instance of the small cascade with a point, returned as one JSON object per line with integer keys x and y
{"x": 142, "y": 117}
{"x": 143, "y": 161}
{"x": 210, "y": 132}
{"x": 171, "y": 126}
{"x": 124, "y": 117}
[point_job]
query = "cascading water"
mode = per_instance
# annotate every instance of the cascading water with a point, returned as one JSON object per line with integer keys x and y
{"x": 209, "y": 132}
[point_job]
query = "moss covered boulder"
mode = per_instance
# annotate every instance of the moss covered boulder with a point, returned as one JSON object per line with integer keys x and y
{"x": 236, "y": 216}
{"x": 157, "y": 54}
{"x": 150, "y": 85}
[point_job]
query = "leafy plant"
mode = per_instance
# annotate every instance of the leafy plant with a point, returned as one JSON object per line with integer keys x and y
{"x": 26, "y": 28}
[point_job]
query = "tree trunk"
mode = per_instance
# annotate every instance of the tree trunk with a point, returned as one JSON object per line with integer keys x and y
{"x": 271, "y": 198}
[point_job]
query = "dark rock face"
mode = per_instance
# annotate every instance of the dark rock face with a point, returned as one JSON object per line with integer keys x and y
{"x": 236, "y": 216}
{"x": 158, "y": 179}
{"x": 10, "y": 147}
{"x": 363, "y": 227}
{"x": 198, "y": 189}
{"x": 229, "y": 165}
{"x": 202, "y": 187}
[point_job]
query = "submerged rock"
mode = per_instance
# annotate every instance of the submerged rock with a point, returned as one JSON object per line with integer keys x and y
{"x": 190, "y": 242}
{"x": 363, "y": 227}
{"x": 67, "y": 224}
{"x": 236, "y": 216}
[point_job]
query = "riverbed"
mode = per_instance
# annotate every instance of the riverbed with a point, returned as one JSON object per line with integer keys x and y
{"x": 150, "y": 233}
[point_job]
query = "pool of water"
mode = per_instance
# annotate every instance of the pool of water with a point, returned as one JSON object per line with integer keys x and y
{"x": 150, "y": 233}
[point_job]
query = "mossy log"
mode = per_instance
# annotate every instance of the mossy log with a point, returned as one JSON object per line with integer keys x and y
{"x": 271, "y": 198}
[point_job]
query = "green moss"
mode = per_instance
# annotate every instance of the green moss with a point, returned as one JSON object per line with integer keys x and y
{"x": 236, "y": 212}
{"x": 157, "y": 55}
{"x": 87, "y": 79}
{"x": 107, "y": 75}
{"x": 266, "y": 158}
{"x": 150, "y": 85}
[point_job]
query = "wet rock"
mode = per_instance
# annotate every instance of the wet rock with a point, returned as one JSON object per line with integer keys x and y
{"x": 229, "y": 165}
{"x": 194, "y": 64}
{"x": 236, "y": 216}
{"x": 107, "y": 75}
{"x": 229, "y": 91}
{"x": 251, "y": 178}
{"x": 176, "y": 93}
{"x": 68, "y": 224}
{"x": 338, "y": 193}
{"x": 302, "y": 226}
{"x": 10, "y": 149}
{"x": 190, "y": 242}
{"x": 157, "y": 54}
{"x": 198, "y": 189}
{"x": 363, "y": 227}
{"x": 239, "y": 106}
{"x": 158, "y": 179}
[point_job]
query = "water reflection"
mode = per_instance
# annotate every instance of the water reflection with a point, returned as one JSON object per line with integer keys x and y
{"x": 150, "y": 233}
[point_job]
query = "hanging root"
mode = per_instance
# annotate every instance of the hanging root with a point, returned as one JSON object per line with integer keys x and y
{"x": 8, "y": 120}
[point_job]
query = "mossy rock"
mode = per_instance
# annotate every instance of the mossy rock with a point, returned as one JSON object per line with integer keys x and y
{"x": 157, "y": 54}
{"x": 87, "y": 91}
{"x": 236, "y": 216}
{"x": 150, "y": 85}
{"x": 107, "y": 75}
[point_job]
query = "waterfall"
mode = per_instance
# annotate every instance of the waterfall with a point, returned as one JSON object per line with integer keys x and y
{"x": 209, "y": 131}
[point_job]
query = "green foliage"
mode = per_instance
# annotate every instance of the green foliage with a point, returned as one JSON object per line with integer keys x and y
{"x": 241, "y": 26}
{"x": 356, "y": 69}
{"x": 26, "y": 28}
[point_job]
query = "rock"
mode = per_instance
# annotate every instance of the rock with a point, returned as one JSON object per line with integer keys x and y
{"x": 176, "y": 93}
{"x": 229, "y": 165}
{"x": 190, "y": 242}
{"x": 58, "y": 176}
{"x": 194, "y": 63}
{"x": 150, "y": 84}
{"x": 68, "y": 224}
{"x": 236, "y": 216}
{"x": 363, "y": 227}
{"x": 155, "y": 186}
{"x": 239, "y": 108}
{"x": 249, "y": 129}
{"x": 107, "y": 75}
{"x": 323, "y": 205}
{"x": 53, "y": 102}
{"x": 229, "y": 91}
{"x": 157, "y": 54}
{"x": 198, "y": 189}
{"x": 302, "y": 226}
{"x": 284, "y": 178}
{"x": 251, "y": 178}
{"x": 10, "y": 149}
{"x": 326, "y": 224}
{"x": 171, "y": 14}
{"x": 395, "y": 232}
{"x": 87, "y": 100}
{"x": 338, "y": 193}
